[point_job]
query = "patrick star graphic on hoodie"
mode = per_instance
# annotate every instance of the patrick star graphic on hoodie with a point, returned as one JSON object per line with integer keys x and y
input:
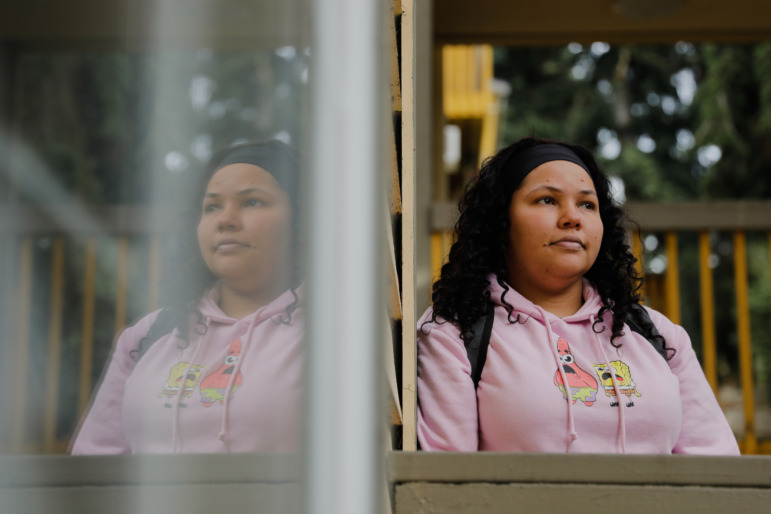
{"x": 583, "y": 386}
{"x": 214, "y": 386}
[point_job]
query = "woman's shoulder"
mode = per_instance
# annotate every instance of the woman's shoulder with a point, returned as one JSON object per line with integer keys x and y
{"x": 138, "y": 329}
{"x": 439, "y": 341}
{"x": 431, "y": 321}
{"x": 673, "y": 333}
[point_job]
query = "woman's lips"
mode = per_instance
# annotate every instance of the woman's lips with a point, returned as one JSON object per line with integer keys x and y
{"x": 569, "y": 243}
{"x": 227, "y": 245}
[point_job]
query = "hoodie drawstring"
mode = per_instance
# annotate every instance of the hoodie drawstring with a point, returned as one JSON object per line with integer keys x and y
{"x": 175, "y": 435}
{"x": 225, "y": 427}
{"x": 621, "y": 421}
{"x": 572, "y": 434}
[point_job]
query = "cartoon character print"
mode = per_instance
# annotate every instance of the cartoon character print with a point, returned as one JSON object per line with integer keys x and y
{"x": 175, "y": 382}
{"x": 215, "y": 385}
{"x": 620, "y": 374}
{"x": 582, "y": 384}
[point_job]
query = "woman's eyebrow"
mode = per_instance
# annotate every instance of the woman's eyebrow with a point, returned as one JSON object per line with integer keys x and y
{"x": 555, "y": 189}
{"x": 241, "y": 192}
{"x": 253, "y": 190}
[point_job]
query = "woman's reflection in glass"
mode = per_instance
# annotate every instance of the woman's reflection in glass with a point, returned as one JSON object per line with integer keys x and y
{"x": 218, "y": 369}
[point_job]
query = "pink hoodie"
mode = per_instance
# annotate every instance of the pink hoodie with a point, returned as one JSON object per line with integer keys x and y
{"x": 625, "y": 400}
{"x": 241, "y": 392}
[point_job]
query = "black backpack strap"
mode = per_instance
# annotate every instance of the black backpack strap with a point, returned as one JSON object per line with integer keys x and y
{"x": 640, "y": 321}
{"x": 162, "y": 325}
{"x": 477, "y": 347}
{"x": 637, "y": 318}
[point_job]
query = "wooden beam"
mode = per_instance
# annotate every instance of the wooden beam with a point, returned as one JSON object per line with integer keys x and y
{"x": 563, "y": 21}
{"x": 409, "y": 364}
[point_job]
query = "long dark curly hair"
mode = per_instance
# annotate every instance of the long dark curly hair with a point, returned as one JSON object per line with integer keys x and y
{"x": 461, "y": 294}
{"x": 186, "y": 276}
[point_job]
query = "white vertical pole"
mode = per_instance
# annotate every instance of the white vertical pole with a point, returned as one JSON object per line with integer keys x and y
{"x": 344, "y": 273}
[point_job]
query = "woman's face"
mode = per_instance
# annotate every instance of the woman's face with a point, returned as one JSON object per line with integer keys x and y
{"x": 245, "y": 231}
{"x": 555, "y": 229}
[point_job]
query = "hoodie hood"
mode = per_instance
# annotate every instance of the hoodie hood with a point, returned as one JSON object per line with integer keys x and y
{"x": 229, "y": 377}
{"x": 575, "y": 380}
{"x": 592, "y": 303}
{"x": 211, "y": 311}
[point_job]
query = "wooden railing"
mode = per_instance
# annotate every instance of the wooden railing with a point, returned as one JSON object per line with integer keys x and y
{"x": 502, "y": 483}
{"x": 31, "y": 286}
{"x": 419, "y": 482}
{"x": 34, "y": 300}
{"x": 664, "y": 292}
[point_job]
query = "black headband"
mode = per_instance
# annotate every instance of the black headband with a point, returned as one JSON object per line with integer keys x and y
{"x": 528, "y": 160}
{"x": 272, "y": 158}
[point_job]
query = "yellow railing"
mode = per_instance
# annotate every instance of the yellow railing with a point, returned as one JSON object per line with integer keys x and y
{"x": 468, "y": 93}
{"x": 30, "y": 425}
{"x": 736, "y": 218}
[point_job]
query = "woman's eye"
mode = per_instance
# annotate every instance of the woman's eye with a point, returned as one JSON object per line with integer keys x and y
{"x": 253, "y": 202}
{"x": 589, "y": 205}
{"x": 210, "y": 207}
{"x": 547, "y": 200}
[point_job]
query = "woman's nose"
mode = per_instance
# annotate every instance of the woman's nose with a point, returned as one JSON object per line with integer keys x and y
{"x": 570, "y": 217}
{"x": 228, "y": 219}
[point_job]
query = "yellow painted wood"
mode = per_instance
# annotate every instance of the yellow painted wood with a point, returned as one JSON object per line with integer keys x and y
{"x": 121, "y": 279}
{"x": 492, "y": 107}
{"x": 708, "y": 340}
{"x": 394, "y": 189}
{"x": 672, "y": 284}
{"x": 467, "y": 73}
{"x": 87, "y": 345}
{"x": 409, "y": 286}
{"x": 53, "y": 367}
{"x": 21, "y": 361}
{"x": 745, "y": 341}
{"x": 441, "y": 242}
{"x": 448, "y": 238}
{"x": 639, "y": 251}
{"x": 154, "y": 273}
{"x": 437, "y": 255}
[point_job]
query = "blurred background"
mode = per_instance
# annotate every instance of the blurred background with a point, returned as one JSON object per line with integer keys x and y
{"x": 108, "y": 111}
{"x": 673, "y": 99}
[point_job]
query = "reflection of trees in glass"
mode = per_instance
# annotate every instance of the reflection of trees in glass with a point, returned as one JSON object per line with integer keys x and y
{"x": 675, "y": 122}
{"x": 132, "y": 127}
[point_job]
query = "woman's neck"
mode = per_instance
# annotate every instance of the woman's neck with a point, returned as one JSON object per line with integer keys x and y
{"x": 562, "y": 303}
{"x": 237, "y": 305}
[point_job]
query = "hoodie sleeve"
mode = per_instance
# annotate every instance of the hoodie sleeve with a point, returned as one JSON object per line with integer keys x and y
{"x": 705, "y": 430}
{"x": 447, "y": 401}
{"x": 101, "y": 432}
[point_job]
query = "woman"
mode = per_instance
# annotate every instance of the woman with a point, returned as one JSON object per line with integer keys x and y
{"x": 218, "y": 369}
{"x": 540, "y": 238}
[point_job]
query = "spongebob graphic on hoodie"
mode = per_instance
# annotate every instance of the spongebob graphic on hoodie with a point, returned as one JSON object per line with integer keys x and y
{"x": 178, "y": 381}
{"x": 620, "y": 375}
{"x": 214, "y": 386}
{"x": 583, "y": 386}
